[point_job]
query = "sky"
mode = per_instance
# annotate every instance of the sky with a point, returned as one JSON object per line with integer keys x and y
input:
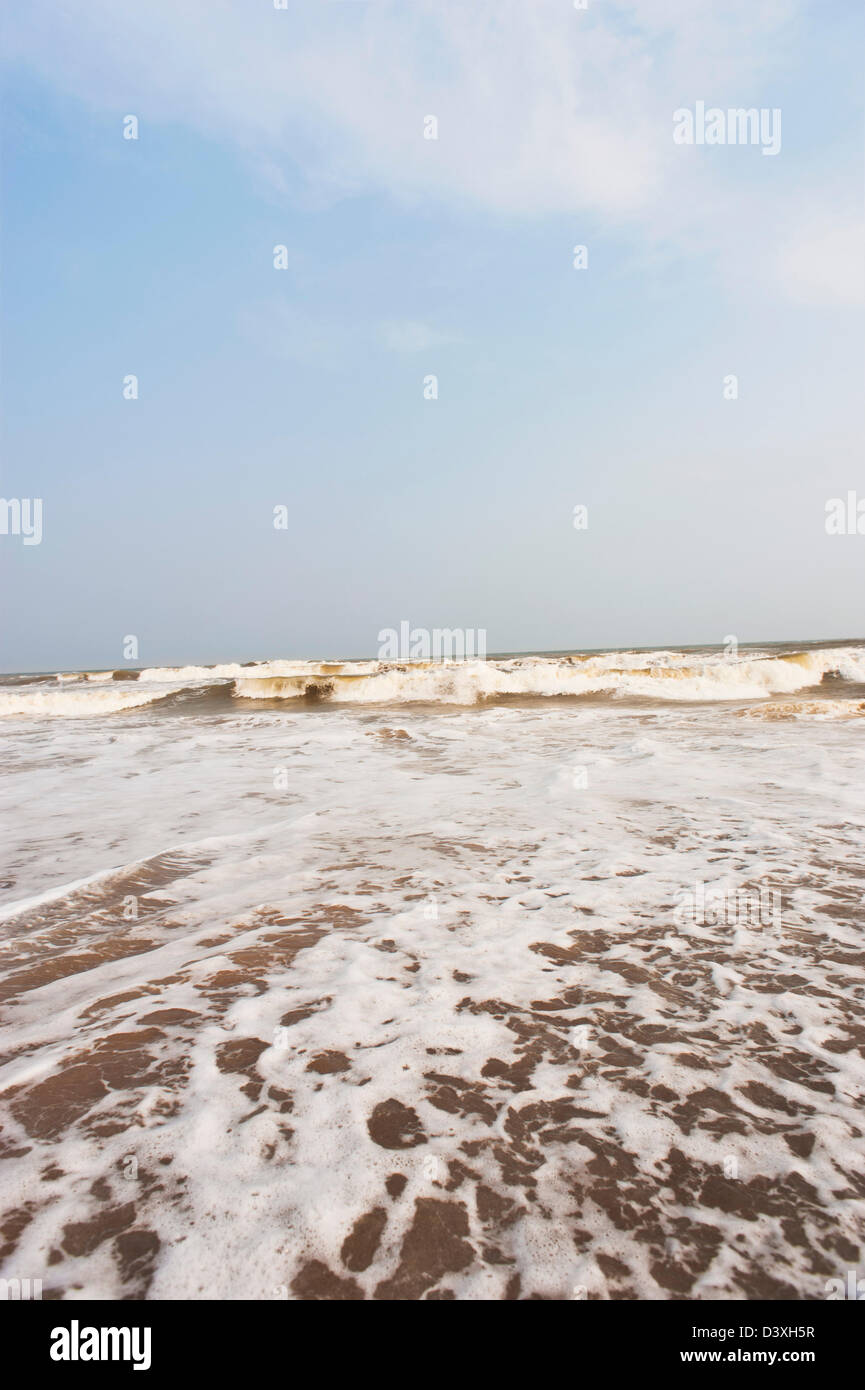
{"x": 407, "y": 257}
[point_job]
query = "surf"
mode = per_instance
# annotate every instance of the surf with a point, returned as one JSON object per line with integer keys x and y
{"x": 665, "y": 676}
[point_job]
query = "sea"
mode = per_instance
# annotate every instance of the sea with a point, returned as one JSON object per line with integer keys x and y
{"x": 537, "y": 977}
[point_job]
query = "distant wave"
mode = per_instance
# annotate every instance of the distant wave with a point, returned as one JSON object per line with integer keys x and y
{"x": 76, "y": 704}
{"x": 661, "y": 675}
{"x": 658, "y": 675}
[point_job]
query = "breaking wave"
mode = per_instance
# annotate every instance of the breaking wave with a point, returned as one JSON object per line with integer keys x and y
{"x": 804, "y": 709}
{"x": 76, "y": 704}
{"x": 658, "y": 675}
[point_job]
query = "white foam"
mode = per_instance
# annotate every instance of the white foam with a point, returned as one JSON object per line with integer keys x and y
{"x": 664, "y": 675}
{"x": 75, "y": 704}
{"x": 436, "y": 850}
{"x": 658, "y": 675}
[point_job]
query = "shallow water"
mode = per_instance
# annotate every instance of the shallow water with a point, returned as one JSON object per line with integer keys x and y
{"x": 558, "y": 999}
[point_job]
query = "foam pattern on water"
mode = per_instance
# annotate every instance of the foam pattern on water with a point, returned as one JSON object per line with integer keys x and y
{"x": 409, "y": 1007}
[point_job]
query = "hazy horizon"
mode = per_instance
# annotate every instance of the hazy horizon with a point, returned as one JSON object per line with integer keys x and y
{"x": 492, "y": 655}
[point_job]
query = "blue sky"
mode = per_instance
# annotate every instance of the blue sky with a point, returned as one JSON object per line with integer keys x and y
{"x": 303, "y": 387}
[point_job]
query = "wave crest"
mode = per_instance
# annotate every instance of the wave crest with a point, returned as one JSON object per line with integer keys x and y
{"x": 656, "y": 675}
{"x": 660, "y": 675}
{"x": 75, "y": 704}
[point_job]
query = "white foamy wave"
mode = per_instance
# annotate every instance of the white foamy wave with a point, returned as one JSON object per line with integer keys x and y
{"x": 659, "y": 675}
{"x": 262, "y": 670}
{"x": 75, "y": 704}
{"x": 655, "y": 675}
{"x": 804, "y": 709}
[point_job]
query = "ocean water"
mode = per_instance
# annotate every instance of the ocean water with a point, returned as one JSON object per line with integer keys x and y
{"x": 539, "y": 977}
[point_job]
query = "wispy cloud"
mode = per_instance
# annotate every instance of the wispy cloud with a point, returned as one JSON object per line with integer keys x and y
{"x": 542, "y": 109}
{"x": 329, "y": 341}
{"x": 822, "y": 263}
{"x": 408, "y": 336}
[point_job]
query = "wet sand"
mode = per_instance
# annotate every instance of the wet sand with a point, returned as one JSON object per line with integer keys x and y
{"x": 439, "y": 1031}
